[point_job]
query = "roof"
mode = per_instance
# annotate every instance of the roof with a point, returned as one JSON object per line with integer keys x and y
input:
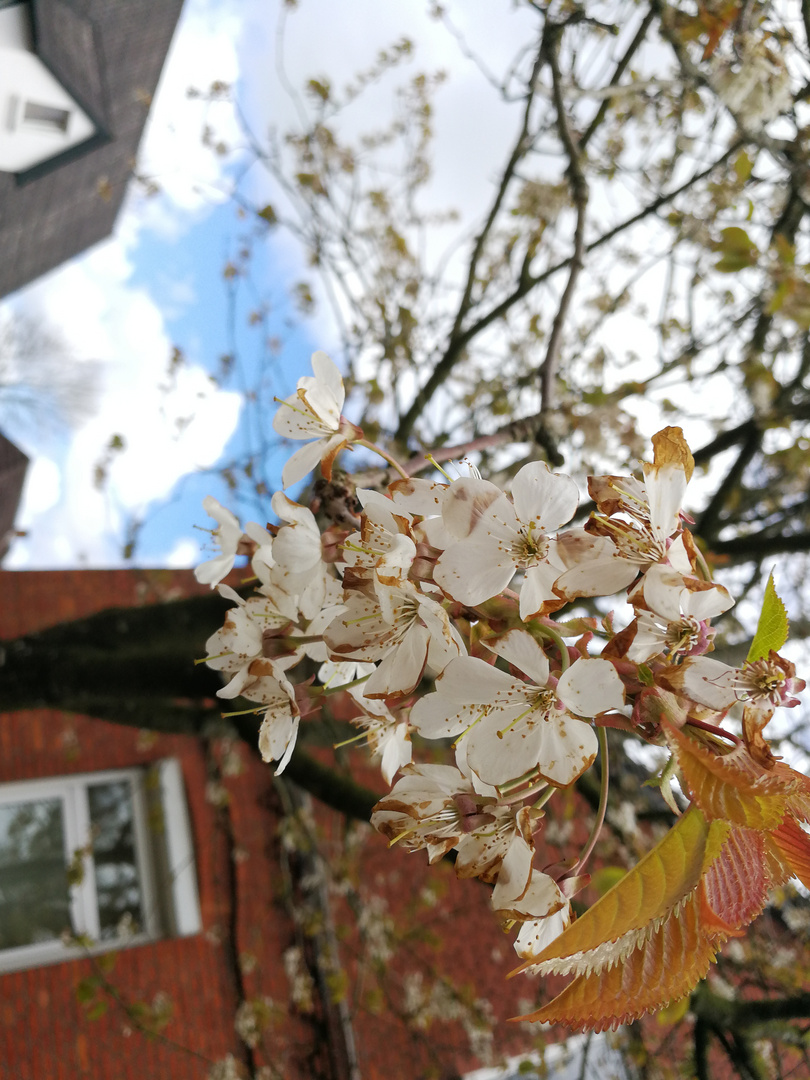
{"x": 108, "y": 54}
{"x": 69, "y": 43}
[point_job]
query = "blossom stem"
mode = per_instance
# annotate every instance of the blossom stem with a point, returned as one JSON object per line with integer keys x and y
{"x": 219, "y": 656}
{"x": 542, "y": 788}
{"x": 704, "y": 726}
{"x": 386, "y": 457}
{"x": 531, "y": 778}
{"x": 327, "y": 691}
{"x": 544, "y": 798}
{"x": 601, "y": 735}
{"x": 562, "y": 648}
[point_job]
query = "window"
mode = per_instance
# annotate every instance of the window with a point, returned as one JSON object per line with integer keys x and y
{"x": 46, "y": 117}
{"x": 105, "y": 855}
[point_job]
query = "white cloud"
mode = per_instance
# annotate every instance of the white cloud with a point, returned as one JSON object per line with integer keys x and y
{"x": 184, "y": 553}
{"x": 473, "y": 126}
{"x": 173, "y": 155}
{"x": 104, "y": 317}
{"x": 166, "y": 432}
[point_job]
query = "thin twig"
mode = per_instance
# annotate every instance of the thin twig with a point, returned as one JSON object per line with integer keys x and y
{"x": 579, "y": 194}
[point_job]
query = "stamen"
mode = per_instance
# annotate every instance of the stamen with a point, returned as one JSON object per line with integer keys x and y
{"x": 517, "y": 719}
{"x": 467, "y": 730}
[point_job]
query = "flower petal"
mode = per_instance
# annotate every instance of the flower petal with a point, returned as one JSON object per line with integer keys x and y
{"x": 328, "y": 395}
{"x": 468, "y": 680}
{"x": 707, "y": 681}
{"x": 303, "y": 461}
{"x": 519, "y": 648}
{"x": 590, "y": 687}
{"x": 569, "y": 748}
{"x": 471, "y": 504}
{"x": 473, "y": 572}
{"x": 549, "y": 499}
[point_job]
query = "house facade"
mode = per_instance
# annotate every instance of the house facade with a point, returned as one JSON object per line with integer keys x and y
{"x": 168, "y": 910}
{"x": 76, "y": 81}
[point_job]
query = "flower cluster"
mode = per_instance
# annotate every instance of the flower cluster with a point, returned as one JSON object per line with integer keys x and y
{"x": 434, "y": 617}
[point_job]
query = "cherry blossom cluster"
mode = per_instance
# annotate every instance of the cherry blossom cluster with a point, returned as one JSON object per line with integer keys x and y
{"x": 433, "y": 617}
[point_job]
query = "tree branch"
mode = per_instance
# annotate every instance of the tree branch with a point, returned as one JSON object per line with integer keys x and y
{"x": 522, "y": 144}
{"x": 456, "y": 346}
{"x": 621, "y": 67}
{"x": 579, "y": 193}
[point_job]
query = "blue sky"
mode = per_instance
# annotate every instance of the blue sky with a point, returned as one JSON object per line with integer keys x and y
{"x": 199, "y": 322}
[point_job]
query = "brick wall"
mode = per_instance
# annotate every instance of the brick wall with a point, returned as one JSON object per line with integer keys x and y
{"x": 44, "y": 1032}
{"x": 445, "y": 961}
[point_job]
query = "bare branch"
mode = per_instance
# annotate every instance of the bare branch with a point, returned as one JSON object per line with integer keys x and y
{"x": 457, "y": 345}
{"x": 579, "y": 193}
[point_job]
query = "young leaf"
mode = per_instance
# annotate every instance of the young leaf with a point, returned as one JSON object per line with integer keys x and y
{"x": 792, "y": 849}
{"x": 772, "y": 628}
{"x": 735, "y": 887}
{"x": 663, "y": 969}
{"x": 650, "y": 891}
{"x": 737, "y": 251}
{"x": 664, "y": 963}
{"x": 731, "y": 787}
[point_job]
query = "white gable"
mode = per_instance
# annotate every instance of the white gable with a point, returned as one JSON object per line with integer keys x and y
{"x": 38, "y": 118}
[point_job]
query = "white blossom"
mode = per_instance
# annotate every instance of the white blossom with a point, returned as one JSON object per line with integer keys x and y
{"x": 314, "y": 412}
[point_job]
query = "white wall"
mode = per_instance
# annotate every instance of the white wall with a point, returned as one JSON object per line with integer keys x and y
{"x": 26, "y": 141}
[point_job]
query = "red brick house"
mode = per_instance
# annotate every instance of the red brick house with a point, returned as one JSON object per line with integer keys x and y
{"x": 236, "y": 927}
{"x": 354, "y": 960}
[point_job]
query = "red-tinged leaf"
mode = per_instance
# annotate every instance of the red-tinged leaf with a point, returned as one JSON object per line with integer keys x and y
{"x": 731, "y": 787}
{"x": 660, "y": 881}
{"x": 799, "y": 801}
{"x": 735, "y": 887}
{"x": 663, "y": 969}
{"x": 793, "y": 847}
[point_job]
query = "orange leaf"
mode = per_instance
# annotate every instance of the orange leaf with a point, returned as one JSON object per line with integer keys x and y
{"x": 665, "y": 961}
{"x": 732, "y": 786}
{"x": 615, "y": 924}
{"x": 735, "y": 887}
{"x": 664, "y": 968}
{"x": 793, "y": 847}
{"x": 799, "y": 802}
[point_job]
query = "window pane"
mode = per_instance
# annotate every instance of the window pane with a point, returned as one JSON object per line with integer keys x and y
{"x": 46, "y": 116}
{"x": 34, "y": 897}
{"x": 117, "y": 884}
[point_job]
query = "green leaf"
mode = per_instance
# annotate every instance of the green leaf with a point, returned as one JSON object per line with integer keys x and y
{"x": 644, "y": 896}
{"x": 772, "y": 628}
{"x": 737, "y": 250}
{"x": 87, "y": 989}
{"x": 743, "y": 166}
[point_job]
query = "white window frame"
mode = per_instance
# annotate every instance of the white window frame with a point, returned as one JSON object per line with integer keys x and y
{"x": 164, "y": 857}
